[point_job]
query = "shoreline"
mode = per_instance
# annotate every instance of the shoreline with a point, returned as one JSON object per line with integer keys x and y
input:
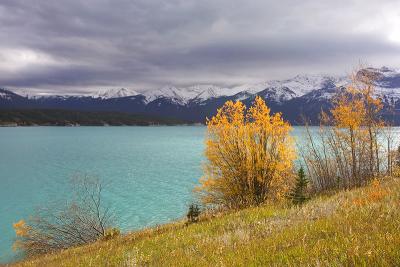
{"x": 105, "y": 125}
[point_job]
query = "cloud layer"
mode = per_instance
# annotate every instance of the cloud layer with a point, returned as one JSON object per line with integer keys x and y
{"x": 76, "y": 46}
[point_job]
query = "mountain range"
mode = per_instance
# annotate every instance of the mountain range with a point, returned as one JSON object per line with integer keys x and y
{"x": 302, "y": 95}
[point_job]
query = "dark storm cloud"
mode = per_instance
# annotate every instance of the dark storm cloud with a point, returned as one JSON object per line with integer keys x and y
{"x": 293, "y": 50}
{"x": 73, "y": 44}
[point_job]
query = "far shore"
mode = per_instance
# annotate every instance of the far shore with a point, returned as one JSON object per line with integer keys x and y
{"x": 97, "y": 125}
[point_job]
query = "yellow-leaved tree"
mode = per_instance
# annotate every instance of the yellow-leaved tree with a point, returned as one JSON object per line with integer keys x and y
{"x": 249, "y": 155}
{"x": 348, "y": 117}
{"x": 345, "y": 151}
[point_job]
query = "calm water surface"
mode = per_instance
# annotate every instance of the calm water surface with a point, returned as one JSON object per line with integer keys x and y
{"x": 150, "y": 171}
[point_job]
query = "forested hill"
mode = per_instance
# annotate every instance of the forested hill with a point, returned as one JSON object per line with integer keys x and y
{"x": 56, "y": 117}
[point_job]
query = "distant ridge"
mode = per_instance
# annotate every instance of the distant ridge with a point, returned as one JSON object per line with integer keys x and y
{"x": 55, "y": 117}
{"x": 300, "y": 95}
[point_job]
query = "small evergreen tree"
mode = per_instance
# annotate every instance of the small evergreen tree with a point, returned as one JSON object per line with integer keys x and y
{"x": 193, "y": 213}
{"x": 299, "y": 192}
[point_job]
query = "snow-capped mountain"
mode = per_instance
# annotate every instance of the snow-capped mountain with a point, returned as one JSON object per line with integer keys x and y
{"x": 115, "y": 93}
{"x": 279, "y": 90}
{"x": 208, "y": 91}
{"x": 388, "y": 84}
{"x": 5, "y": 95}
{"x": 305, "y": 94}
{"x": 172, "y": 93}
{"x": 182, "y": 95}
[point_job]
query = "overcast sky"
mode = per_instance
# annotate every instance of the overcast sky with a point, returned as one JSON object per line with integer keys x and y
{"x": 75, "y": 46}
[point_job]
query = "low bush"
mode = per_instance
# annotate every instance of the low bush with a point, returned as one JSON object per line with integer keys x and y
{"x": 193, "y": 213}
{"x": 111, "y": 233}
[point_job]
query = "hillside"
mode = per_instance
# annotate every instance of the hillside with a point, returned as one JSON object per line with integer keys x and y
{"x": 357, "y": 227}
{"x": 55, "y": 117}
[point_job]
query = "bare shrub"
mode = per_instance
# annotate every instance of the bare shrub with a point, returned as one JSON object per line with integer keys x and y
{"x": 84, "y": 219}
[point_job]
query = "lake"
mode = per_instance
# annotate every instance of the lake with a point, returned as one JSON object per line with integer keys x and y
{"x": 150, "y": 172}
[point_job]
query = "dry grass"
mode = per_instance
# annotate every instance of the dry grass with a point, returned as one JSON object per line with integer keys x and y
{"x": 355, "y": 228}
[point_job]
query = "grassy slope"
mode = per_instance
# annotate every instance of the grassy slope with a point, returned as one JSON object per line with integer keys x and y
{"x": 357, "y": 227}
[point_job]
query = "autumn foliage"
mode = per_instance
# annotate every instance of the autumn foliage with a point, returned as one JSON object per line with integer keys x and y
{"x": 249, "y": 156}
{"x": 374, "y": 194}
{"x": 346, "y": 152}
{"x": 22, "y": 230}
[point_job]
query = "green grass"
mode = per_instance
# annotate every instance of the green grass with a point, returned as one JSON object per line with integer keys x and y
{"x": 360, "y": 227}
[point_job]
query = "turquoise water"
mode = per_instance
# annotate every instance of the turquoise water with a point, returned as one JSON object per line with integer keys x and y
{"x": 149, "y": 171}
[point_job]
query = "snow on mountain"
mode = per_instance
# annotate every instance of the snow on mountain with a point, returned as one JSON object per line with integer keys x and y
{"x": 176, "y": 95}
{"x": 8, "y": 95}
{"x": 210, "y": 91}
{"x": 283, "y": 90}
{"x": 115, "y": 93}
{"x": 313, "y": 86}
{"x": 182, "y": 95}
{"x": 278, "y": 90}
{"x": 388, "y": 84}
{"x": 250, "y": 88}
{"x": 303, "y": 84}
{"x": 323, "y": 86}
{"x": 46, "y": 96}
{"x": 4, "y": 95}
{"x": 22, "y": 92}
